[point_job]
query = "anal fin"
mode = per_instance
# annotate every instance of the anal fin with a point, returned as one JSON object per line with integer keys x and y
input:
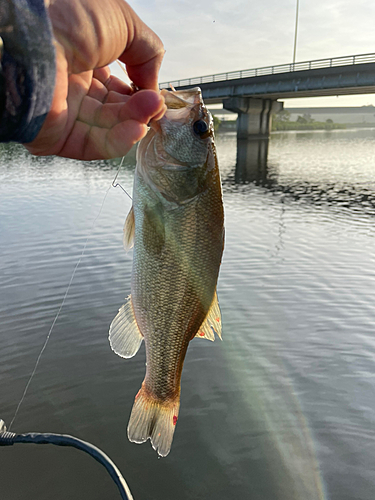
{"x": 212, "y": 322}
{"x": 125, "y": 337}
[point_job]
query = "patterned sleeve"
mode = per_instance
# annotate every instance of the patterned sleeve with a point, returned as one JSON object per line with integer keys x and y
{"x": 27, "y": 69}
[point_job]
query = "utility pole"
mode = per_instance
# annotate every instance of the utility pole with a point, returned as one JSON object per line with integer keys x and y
{"x": 295, "y": 34}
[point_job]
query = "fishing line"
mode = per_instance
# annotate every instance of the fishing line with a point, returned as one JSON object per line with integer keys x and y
{"x": 116, "y": 184}
{"x": 113, "y": 184}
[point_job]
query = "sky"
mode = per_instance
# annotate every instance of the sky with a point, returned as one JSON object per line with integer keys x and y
{"x": 214, "y": 36}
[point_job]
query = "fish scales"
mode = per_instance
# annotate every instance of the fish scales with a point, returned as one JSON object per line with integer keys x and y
{"x": 172, "y": 309}
{"x": 177, "y": 218}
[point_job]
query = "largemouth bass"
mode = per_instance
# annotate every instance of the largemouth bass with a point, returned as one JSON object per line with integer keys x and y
{"x": 177, "y": 225}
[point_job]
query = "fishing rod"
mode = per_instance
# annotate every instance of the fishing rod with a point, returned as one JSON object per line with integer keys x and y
{"x": 9, "y": 438}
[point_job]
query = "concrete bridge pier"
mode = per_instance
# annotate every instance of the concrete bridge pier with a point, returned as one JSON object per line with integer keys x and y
{"x": 254, "y": 115}
{"x": 253, "y": 129}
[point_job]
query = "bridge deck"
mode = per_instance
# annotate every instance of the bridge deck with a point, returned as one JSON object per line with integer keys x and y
{"x": 322, "y": 77}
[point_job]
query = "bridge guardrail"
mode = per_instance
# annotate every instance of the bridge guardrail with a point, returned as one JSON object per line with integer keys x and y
{"x": 272, "y": 70}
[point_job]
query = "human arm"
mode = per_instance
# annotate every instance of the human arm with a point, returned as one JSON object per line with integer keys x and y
{"x": 93, "y": 114}
{"x": 27, "y": 69}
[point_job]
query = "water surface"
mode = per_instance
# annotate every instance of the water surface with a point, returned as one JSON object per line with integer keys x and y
{"x": 282, "y": 409}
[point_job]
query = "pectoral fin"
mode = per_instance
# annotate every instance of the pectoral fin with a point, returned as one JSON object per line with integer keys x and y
{"x": 129, "y": 228}
{"x": 212, "y": 323}
{"x": 125, "y": 337}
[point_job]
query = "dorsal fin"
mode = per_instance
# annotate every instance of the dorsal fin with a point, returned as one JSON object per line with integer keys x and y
{"x": 129, "y": 229}
{"x": 212, "y": 323}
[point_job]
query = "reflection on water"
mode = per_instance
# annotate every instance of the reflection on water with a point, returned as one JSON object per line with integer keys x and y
{"x": 251, "y": 162}
{"x": 312, "y": 171}
{"x": 282, "y": 409}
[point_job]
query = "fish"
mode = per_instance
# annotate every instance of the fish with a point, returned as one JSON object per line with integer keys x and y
{"x": 176, "y": 225}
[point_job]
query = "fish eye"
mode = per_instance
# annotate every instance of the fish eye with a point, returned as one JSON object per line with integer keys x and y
{"x": 201, "y": 128}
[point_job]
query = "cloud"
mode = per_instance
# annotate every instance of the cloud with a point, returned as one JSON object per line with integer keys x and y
{"x": 223, "y": 35}
{"x": 203, "y": 38}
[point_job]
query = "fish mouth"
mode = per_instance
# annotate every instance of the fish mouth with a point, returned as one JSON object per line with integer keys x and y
{"x": 183, "y": 106}
{"x": 180, "y": 101}
{"x": 177, "y": 99}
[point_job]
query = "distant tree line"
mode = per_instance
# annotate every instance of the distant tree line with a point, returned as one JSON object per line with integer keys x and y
{"x": 217, "y": 122}
{"x": 281, "y": 121}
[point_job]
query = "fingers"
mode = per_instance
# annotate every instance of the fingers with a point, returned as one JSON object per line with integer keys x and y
{"x": 100, "y": 91}
{"x": 111, "y": 83}
{"x": 142, "y": 107}
{"x": 115, "y": 97}
{"x": 93, "y": 37}
{"x": 143, "y": 54}
{"x": 92, "y": 143}
{"x": 118, "y": 141}
{"x": 94, "y": 115}
{"x": 109, "y": 130}
{"x": 145, "y": 75}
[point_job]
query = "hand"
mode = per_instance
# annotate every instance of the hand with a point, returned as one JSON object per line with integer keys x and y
{"x": 93, "y": 114}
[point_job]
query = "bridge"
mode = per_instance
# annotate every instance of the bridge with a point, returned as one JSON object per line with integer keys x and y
{"x": 254, "y": 93}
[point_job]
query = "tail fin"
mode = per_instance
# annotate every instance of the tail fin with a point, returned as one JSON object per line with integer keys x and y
{"x": 153, "y": 419}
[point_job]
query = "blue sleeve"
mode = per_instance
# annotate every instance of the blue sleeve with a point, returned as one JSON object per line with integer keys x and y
{"x": 27, "y": 69}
